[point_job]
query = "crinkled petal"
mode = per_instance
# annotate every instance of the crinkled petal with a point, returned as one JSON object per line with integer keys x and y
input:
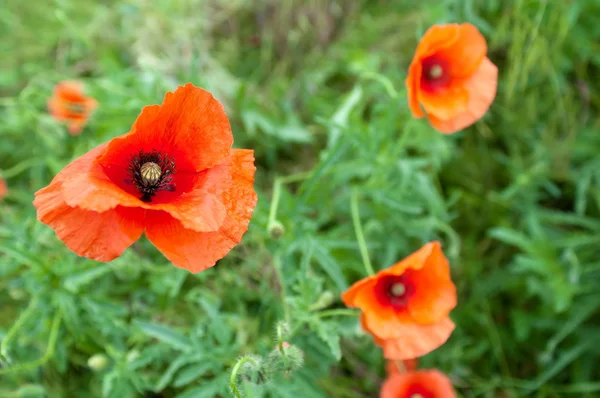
{"x": 100, "y": 236}
{"x": 413, "y": 340}
{"x": 481, "y": 88}
{"x": 196, "y": 251}
{"x": 190, "y": 126}
{"x": 465, "y": 54}
{"x": 86, "y": 185}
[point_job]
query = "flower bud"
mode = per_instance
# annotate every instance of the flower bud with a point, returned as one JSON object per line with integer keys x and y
{"x": 97, "y": 362}
{"x": 325, "y": 300}
{"x": 290, "y": 359}
{"x": 255, "y": 370}
{"x": 276, "y": 229}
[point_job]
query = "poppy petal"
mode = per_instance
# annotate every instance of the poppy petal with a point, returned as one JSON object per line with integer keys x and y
{"x": 99, "y": 236}
{"x": 434, "y": 293}
{"x": 3, "y": 189}
{"x": 430, "y": 383}
{"x": 196, "y": 251}
{"x": 413, "y": 340}
{"x": 85, "y": 184}
{"x": 481, "y": 88}
{"x": 435, "y": 38}
{"x": 464, "y": 56}
{"x": 191, "y": 126}
{"x": 445, "y": 102}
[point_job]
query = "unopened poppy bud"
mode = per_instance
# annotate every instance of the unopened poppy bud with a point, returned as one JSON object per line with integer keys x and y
{"x": 17, "y": 293}
{"x": 276, "y": 229}
{"x": 325, "y": 300}
{"x": 254, "y": 371}
{"x": 290, "y": 359}
{"x": 97, "y": 362}
{"x": 132, "y": 356}
{"x": 282, "y": 329}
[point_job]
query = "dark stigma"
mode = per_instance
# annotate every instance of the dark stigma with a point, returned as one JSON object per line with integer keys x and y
{"x": 151, "y": 172}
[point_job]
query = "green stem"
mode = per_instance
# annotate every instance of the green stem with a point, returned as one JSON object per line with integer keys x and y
{"x": 279, "y": 274}
{"x": 20, "y": 322}
{"x": 280, "y": 342}
{"x": 360, "y": 237}
{"x": 338, "y": 312}
{"x": 49, "y": 351}
{"x": 234, "y": 374}
{"x": 274, "y": 201}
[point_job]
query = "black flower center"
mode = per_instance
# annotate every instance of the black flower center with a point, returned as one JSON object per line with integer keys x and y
{"x": 152, "y": 172}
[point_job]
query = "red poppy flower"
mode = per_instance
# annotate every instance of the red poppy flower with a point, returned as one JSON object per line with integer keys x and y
{"x": 174, "y": 176}
{"x": 392, "y": 367}
{"x": 69, "y": 105}
{"x": 419, "y": 384}
{"x": 405, "y": 307}
{"x": 3, "y": 189}
{"x": 451, "y": 78}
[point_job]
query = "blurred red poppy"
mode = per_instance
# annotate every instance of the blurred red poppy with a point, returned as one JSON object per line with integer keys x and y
{"x": 451, "y": 78}
{"x": 418, "y": 384}
{"x": 174, "y": 176}
{"x": 71, "y": 106}
{"x": 3, "y": 189}
{"x": 405, "y": 307}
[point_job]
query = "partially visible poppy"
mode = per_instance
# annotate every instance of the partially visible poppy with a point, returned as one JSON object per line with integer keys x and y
{"x": 3, "y": 189}
{"x": 174, "y": 176}
{"x": 408, "y": 365}
{"x": 71, "y": 106}
{"x": 406, "y": 307}
{"x": 418, "y": 384}
{"x": 451, "y": 78}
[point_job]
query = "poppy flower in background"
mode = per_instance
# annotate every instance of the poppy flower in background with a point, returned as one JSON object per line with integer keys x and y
{"x": 3, "y": 189}
{"x": 418, "y": 384}
{"x": 392, "y": 367}
{"x": 405, "y": 307}
{"x": 451, "y": 78}
{"x": 174, "y": 176}
{"x": 71, "y": 106}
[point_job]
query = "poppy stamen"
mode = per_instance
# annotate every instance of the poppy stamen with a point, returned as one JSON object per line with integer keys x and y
{"x": 417, "y": 395}
{"x": 436, "y": 71}
{"x": 151, "y": 172}
{"x": 398, "y": 289}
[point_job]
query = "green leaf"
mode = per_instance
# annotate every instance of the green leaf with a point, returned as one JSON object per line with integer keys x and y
{"x": 327, "y": 332}
{"x": 165, "y": 334}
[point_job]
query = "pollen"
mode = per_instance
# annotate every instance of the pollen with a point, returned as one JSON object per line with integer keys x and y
{"x": 436, "y": 71}
{"x": 150, "y": 173}
{"x": 398, "y": 289}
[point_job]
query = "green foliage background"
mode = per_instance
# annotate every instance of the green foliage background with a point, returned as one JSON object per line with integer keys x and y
{"x": 316, "y": 88}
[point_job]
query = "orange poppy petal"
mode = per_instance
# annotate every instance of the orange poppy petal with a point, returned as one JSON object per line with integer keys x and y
{"x": 415, "y": 260}
{"x": 464, "y": 56}
{"x": 412, "y": 82}
{"x": 190, "y": 125}
{"x": 353, "y": 297}
{"x": 99, "y": 236}
{"x": 435, "y": 38}
{"x": 86, "y": 185}
{"x": 481, "y": 88}
{"x": 196, "y": 251}
{"x": 435, "y": 294}
{"x": 445, "y": 102}
{"x": 430, "y": 383}
{"x": 413, "y": 340}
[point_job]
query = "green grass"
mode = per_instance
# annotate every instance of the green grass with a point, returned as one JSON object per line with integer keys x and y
{"x": 316, "y": 88}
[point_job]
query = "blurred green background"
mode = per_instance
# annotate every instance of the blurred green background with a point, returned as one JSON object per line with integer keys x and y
{"x": 316, "y": 88}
